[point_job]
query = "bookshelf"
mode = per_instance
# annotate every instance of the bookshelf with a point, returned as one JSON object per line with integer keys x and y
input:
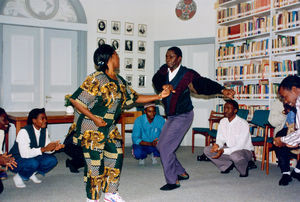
{"x": 257, "y": 43}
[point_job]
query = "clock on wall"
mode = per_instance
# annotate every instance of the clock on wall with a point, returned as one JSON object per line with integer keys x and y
{"x": 185, "y": 9}
{"x": 42, "y": 9}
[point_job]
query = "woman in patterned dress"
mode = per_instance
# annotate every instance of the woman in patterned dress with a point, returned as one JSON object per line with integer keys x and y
{"x": 99, "y": 102}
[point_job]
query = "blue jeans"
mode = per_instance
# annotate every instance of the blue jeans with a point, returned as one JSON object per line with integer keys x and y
{"x": 41, "y": 164}
{"x": 141, "y": 152}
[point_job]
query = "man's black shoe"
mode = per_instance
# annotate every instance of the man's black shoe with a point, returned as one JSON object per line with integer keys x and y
{"x": 285, "y": 179}
{"x": 228, "y": 169}
{"x": 251, "y": 165}
{"x": 71, "y": 167}
{"x": 202, "y": 157}
{"x": 246, "y": 174}
{"x": 295, "y": 175}
{"x": 184, "y": 176}
{"x": 169, "y": 187}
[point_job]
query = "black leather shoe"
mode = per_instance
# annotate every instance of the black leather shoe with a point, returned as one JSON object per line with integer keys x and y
{"x": 251, "y": 165}
{"x": 169, "y": 187}
{"x": 228, "y": 169}
{"x": 246, "y": 174}
{"x": 295, "y": 175}
{"x": 71, "y": 167}
{"x": 184, "y": 176}
{"x": 202, "y": 157}
{"x": 285, "y": 180}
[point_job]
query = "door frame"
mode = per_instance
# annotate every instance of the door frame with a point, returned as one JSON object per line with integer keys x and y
{"x": 178, "y": 42}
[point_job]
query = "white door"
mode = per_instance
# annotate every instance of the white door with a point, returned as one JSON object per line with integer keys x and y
{"x": 20, "y": 83}
{"x": 60, "y": 67}
{"x": 39, "y": 67}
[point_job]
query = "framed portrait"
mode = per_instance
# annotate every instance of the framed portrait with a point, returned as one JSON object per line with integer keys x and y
{"x": 141, "y": 63}
{"x": 142, "y": 81}
{"x": 115, "y": 27}
{"x": 128, "y": 63}
{"x": 101, "y": 41}
{"x": 142, "y": 30}
{"x": 101, "y": 26}
{"x": 128, "y": 45}
{"x": 142, "y": 46}
{"x": 115, "y": 43}
{"x": 128, "y": 78}
{"x": 129, "y": 28}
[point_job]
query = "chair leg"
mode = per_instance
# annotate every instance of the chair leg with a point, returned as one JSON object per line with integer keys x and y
{"x": 267, "y": 159}
{"x": 193, "y": 141}
{"x": 263, "y": 158}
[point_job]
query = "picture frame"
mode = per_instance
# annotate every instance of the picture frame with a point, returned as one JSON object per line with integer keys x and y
{"x": 101, "y": 41}
{"x": 141, "y": 64}
{"x": 129, "y": 78}
{"x": 141, "y": 81}
{"x": 115, "y": 43}
{"x": 101, "y": 26}
{"x": 128, "y": 46}
{"x": 142, "y": 30}
{"x": 115, "y": 27}
{"x": 129, "y": 28}
{"x": 141, "y": 46}
{"x": 128, "y": 63}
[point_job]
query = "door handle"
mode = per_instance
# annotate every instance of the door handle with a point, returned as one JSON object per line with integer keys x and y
{"x": 48, "y": 97}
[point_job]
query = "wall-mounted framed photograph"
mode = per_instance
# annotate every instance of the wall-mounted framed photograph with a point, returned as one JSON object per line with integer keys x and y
{"x": 142, "y": 81}
{"x": 142, "y": 30}
{"x": 128, "y": 78}
{"x": 141, "y": 63}
{"x": 101, "y": 26}
{"x": 128, "y": 63}
{"x": 128, "y": 45}
{"x": 142, "y": 46}
{"x": 115, "y": 27}
{"x": 129, "y": 28}
{"x": 115, "y": 43}
{"x": 101, "y": 41}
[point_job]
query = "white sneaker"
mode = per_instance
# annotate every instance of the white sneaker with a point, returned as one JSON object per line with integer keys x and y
{"x": 154, "y": 159}
{"x": 141, "y": 162}
{"x": 113, "y": 197}
{"x": 19, "y": 181}
{"x": 35, "y": 179}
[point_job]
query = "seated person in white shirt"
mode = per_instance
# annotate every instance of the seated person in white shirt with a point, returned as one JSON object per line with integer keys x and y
{"x": 233, "y": 147}
{"x": 32, "y": 149}
{"x": 145, "y": 134}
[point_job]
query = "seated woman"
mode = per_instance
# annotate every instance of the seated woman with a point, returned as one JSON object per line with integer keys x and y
{"x": 32, "y": 149}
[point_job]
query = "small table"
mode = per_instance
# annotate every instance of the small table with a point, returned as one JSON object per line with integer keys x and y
{"x": 19, "y": 119}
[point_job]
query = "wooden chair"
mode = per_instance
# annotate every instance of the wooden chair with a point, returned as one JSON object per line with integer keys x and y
{"x": 127, "y": 118}
{"x": 263, "y": 135}
{"x": 209, "y": 133}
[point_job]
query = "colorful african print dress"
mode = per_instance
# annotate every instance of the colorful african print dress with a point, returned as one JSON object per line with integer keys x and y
{"x": 102, "y": 146}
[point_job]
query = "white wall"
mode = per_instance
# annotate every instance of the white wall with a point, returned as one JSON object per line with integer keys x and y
{"x": 162, "y": 24}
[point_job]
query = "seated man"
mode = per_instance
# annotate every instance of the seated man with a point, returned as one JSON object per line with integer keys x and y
{"x": 32, "y": 149}
{"x": 145, "y": 134}
{"x": 289, "y": 90}
{"x": 283, "y": 126}
{"x": 233, "y": 143}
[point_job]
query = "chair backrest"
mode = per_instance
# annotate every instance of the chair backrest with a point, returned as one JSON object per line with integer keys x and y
{"x": 214, "y": 117}
{"x": 260, "y": 118}
{"x": 133, "y": 115}
{"x": 243, "y": 113}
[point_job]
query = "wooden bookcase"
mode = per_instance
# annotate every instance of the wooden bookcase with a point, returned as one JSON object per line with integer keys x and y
{"x": 257, "y": 42}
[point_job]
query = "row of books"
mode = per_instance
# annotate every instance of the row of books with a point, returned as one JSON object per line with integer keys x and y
{"x": 247, "y": 49}
{"x": 258, "y": 70}
{"x": 242, "y": 9}
{"x": 255, "y": 26}
{"x": 286, "y": 19}
{"x": 284, "y": 43}
{"x": 254, "y": 91}
{"x": 223, "y": 1}
{"x": 281, "y": 3}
